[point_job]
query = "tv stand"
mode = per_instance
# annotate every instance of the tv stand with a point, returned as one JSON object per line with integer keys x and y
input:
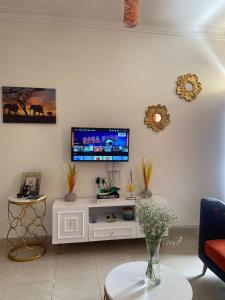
{"x": 84, "y": 220}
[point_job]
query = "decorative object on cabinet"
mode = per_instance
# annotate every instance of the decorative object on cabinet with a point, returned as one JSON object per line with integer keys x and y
{"x": 154, "y": 221}
{"x": 157, "y": 117}
{"x": 25, "y": 226}
{"x": 30, "y": 184}
{"x": 188, "y": 86}
{"x": 128, "y": 213}
{"x": 111, "y": 218}
{"x": 71, "y": 180}
{"x": 107, "y": 190}
{"x": 131, "y": 13}
{"x": 147, "y": 173}
{"x": 130, "y": 187}
{"x": 28, "y": 105}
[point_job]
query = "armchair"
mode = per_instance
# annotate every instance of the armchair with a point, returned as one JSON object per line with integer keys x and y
{"x": 212, "y": 236}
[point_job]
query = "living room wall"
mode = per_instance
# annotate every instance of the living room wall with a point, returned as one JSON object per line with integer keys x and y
{"x": 107, "y": 78}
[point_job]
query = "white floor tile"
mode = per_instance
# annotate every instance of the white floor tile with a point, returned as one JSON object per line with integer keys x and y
{"x": 79, "y": 271}
{"x": 33, "y": 271}
{"x": 24, "y": 291}
{"x": 77, "y": 288}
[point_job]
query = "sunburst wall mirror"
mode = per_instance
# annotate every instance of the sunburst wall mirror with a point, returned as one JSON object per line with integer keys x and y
{"x": 188, "y": 86}
{"x": 157, "y": 117}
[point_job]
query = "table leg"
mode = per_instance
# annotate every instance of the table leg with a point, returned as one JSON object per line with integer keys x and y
{"x": 105, "y": 295}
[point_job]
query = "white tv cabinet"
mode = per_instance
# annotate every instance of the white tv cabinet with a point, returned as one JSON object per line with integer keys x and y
{"x": 72, "y": 221}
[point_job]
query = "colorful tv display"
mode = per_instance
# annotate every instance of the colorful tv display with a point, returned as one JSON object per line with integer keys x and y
{"x": 99, "y": 144}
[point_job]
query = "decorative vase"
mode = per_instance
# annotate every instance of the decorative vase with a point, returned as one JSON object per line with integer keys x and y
{"x": 128, "y": 213}
{"x": 70, "y": 197}
{"x": 152, "y": 273}
{"x": 146, "y": 194}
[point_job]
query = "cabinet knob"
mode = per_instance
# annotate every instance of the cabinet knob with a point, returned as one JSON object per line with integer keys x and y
{"x": 112, "y": 233}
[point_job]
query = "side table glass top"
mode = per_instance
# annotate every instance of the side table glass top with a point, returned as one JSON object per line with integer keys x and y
{"x": 23, "y": 200}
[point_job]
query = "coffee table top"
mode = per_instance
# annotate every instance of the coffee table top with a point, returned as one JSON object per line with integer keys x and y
{"x": 126, "y": 282}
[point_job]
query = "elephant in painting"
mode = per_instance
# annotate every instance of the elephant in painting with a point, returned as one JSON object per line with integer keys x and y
{"x": 12, "y": 108}
{"x": 36, "y": 109}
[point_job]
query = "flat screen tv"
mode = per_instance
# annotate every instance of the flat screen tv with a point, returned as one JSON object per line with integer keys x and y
{"x": 99, "y": 144}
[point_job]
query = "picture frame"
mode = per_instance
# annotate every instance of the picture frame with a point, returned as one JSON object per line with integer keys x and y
{"x": 28, "y": 105}
{"x": 32, "y": 179}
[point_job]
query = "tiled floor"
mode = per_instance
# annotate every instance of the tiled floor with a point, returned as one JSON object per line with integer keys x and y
{"x": 77, "y": 272}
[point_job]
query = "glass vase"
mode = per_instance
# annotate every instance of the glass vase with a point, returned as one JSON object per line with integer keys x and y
{"x": 152, "y": 273}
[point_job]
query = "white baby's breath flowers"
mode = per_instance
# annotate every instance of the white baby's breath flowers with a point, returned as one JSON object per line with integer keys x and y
{"x": 154, "y": 219}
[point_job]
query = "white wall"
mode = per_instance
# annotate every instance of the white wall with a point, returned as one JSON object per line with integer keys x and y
{"x": 108, "y": 78}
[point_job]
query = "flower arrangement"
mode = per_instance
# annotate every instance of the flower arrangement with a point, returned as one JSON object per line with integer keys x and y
{"x": 71, "y": 180}
{"x": 71, "y": 177}
{"x": 147, "y": 166}
{"x": 154, "y": 220}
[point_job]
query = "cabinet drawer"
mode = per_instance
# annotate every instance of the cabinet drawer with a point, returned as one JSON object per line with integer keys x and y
{"x": 112, "y": 231}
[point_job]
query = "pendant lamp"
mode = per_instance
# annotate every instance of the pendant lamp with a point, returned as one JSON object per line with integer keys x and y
{"x": 131, "y": 13}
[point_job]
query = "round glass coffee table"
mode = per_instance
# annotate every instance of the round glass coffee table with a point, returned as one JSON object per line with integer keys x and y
{"x": 126, "y": 282}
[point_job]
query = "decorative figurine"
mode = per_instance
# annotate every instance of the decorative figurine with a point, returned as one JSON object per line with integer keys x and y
{"x": 111, "y": 218}
{"x": 106, "y": 190}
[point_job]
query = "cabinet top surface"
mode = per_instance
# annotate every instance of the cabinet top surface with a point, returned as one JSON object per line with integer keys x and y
{"x": 92, "y": 202}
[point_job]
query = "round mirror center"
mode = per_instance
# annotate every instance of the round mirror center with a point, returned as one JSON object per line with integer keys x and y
{"x": 188, "y": 87}
{"x": 157, "y": 118}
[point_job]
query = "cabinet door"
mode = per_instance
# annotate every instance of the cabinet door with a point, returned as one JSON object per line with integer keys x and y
{"x": 71, "y": 226}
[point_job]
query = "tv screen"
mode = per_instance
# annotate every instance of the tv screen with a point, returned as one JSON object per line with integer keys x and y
{"x": 99, "y": 144}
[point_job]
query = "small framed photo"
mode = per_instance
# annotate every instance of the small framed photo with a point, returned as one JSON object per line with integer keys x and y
{"x": 32, "y": 179}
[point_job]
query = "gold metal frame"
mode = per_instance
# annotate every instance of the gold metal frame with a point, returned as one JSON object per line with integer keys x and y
{"x": 150, "y": 114}
{"x": 27, "y": 240}
{"x": 181, "y": 89}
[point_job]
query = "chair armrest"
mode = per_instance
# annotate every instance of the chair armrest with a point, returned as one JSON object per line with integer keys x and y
{"x": 212, "y": 221}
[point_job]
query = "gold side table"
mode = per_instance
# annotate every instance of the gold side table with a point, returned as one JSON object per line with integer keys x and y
{"x": 27, "y": 234}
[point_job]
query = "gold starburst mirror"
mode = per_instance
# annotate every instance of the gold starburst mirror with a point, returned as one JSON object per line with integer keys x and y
{"x": 157, "y": 117}
{"x": 188, "y": 86}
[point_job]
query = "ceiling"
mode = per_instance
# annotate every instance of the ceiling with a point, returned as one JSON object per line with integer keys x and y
{"x": 174, "y": 13}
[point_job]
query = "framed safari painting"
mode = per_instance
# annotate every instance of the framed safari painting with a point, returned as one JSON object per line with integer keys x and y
{"x": 28, "y": 105}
